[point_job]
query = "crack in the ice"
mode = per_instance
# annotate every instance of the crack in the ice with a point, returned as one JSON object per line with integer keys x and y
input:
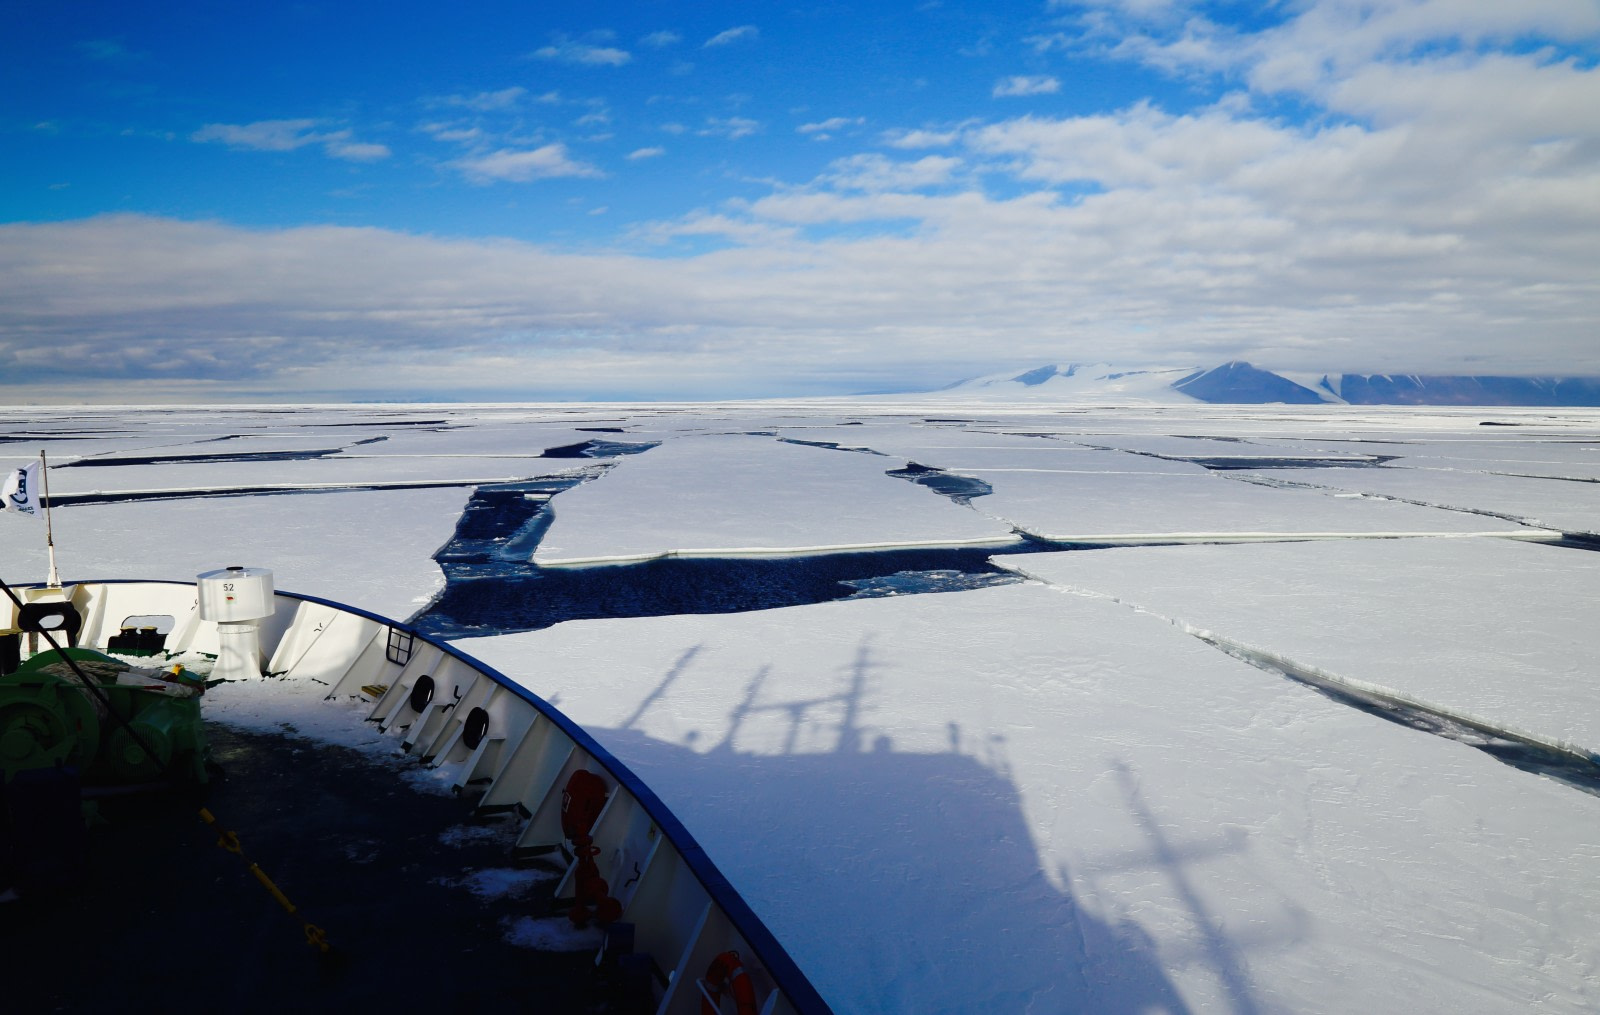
{"x": 1236, "y": 463}
{"x": 1289, "y": 484}
{"x": 1570, "y": 764}
{"x": 1558, "y": 479}
{"x": 831, "y": 446}
{"x": 82, "y": 499}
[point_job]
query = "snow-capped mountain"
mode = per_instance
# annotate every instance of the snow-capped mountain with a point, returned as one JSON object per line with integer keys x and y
{"x": 1238, "y": 382}
{"x": 1097, "y": 383}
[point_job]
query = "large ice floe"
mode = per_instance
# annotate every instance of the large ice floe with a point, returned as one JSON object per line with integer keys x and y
{"x": 1146, "y": 778}
{"x": 735, "y": 494}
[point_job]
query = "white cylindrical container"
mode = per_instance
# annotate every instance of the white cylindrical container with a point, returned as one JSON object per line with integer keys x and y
{"x": 236, "y": 593}
{"x": 236, "y": 599}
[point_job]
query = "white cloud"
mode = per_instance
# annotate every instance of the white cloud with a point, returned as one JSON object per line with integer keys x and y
{"x": 661, "y": 39}
{"x": 1174, "y": 239}
{"x": 484, "y": 102}
{"x": 873, "y": 172}
{"x": 453, "y": 133}
{"x": 263, "y": 135}
{"x": 524, "y": 165}
{"x": 356, "y": 151}
{"x": 738, "y": 228}
{"x": 1317, "y": 44}
{"x": 289, "y": 135}
{"x": 921, "y": 138}
{"x": 825, "y": 128}
{"x": 731, "y": 127}
{"x": 732, "y": 35}
{"x": 1438, "y": 210}
{"x": 571, "y": 51}
{"x": 1023, "y": 85}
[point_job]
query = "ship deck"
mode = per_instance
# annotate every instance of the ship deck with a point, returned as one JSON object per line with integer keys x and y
{"x": 159, "y": 918}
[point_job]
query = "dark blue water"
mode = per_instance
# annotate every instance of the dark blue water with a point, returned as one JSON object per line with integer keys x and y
{"x": 497, "y": 603}
{"x": 598, "y": 449}
{"x": 492, "y": 587}
{"x": 960, "y": 489}
{"x": 1226, "y": 464}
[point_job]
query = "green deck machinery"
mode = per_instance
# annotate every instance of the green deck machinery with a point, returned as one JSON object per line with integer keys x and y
{"x": 132, "y": 732}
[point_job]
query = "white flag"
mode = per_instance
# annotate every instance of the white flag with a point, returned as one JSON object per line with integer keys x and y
{"x": 21, "y": 490}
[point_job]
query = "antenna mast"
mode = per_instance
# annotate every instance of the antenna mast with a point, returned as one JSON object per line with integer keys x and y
{"x": 49, "y": 529}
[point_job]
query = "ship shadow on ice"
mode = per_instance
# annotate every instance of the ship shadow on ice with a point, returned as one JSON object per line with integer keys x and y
{"x": 921, "y": 880}
{"x": 910, "y": 881}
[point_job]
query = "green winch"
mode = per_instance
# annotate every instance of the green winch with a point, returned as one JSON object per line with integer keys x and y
{"x": 140, "y": 724}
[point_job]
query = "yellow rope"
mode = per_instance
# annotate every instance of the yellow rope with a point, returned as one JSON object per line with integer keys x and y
{"x": 230, "y": 841}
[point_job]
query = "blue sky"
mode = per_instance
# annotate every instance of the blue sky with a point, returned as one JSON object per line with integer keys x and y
{"x": 494, "y": 200}
{"x": 210, "y": 111}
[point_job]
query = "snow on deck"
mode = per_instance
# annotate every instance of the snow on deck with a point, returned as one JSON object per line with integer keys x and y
{"x": 731, "y": 494}
{"x": 1021, "y": 799}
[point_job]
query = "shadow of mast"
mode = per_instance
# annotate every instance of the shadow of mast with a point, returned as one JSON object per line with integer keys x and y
{"x": 1215, "y": 948}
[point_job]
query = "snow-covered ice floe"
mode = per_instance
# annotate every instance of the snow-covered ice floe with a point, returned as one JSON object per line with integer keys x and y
{"x": 735, "y": 494}
{"x": 1468, "y": 627}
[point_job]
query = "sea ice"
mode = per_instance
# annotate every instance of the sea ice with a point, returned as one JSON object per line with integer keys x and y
{"x": 1138, "y": 506}
{"x": 1045, "y": 796}
{"x": 1022, "y": 799}
{"x": 729, "y": 494}
{"x": 1550, "y": 503}
{"x": 1497, "y": 630}
{"x": 367, "y": 548}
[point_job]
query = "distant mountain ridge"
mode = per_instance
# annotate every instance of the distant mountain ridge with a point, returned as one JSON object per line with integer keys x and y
{"x": 1239, "y": 383}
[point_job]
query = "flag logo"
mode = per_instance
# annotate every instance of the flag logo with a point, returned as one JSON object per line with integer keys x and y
{"x": 20, "y": 492}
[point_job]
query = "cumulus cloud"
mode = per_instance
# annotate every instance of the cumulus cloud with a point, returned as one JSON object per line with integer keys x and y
{"x": 1315, "y": 45}
{"x": 583, "y": 53}
{"x": 873, "y": 172}
{"x": 1023, "y": 85}
{"x": 729, "y": 36}
{"x": 524, "y": 165}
